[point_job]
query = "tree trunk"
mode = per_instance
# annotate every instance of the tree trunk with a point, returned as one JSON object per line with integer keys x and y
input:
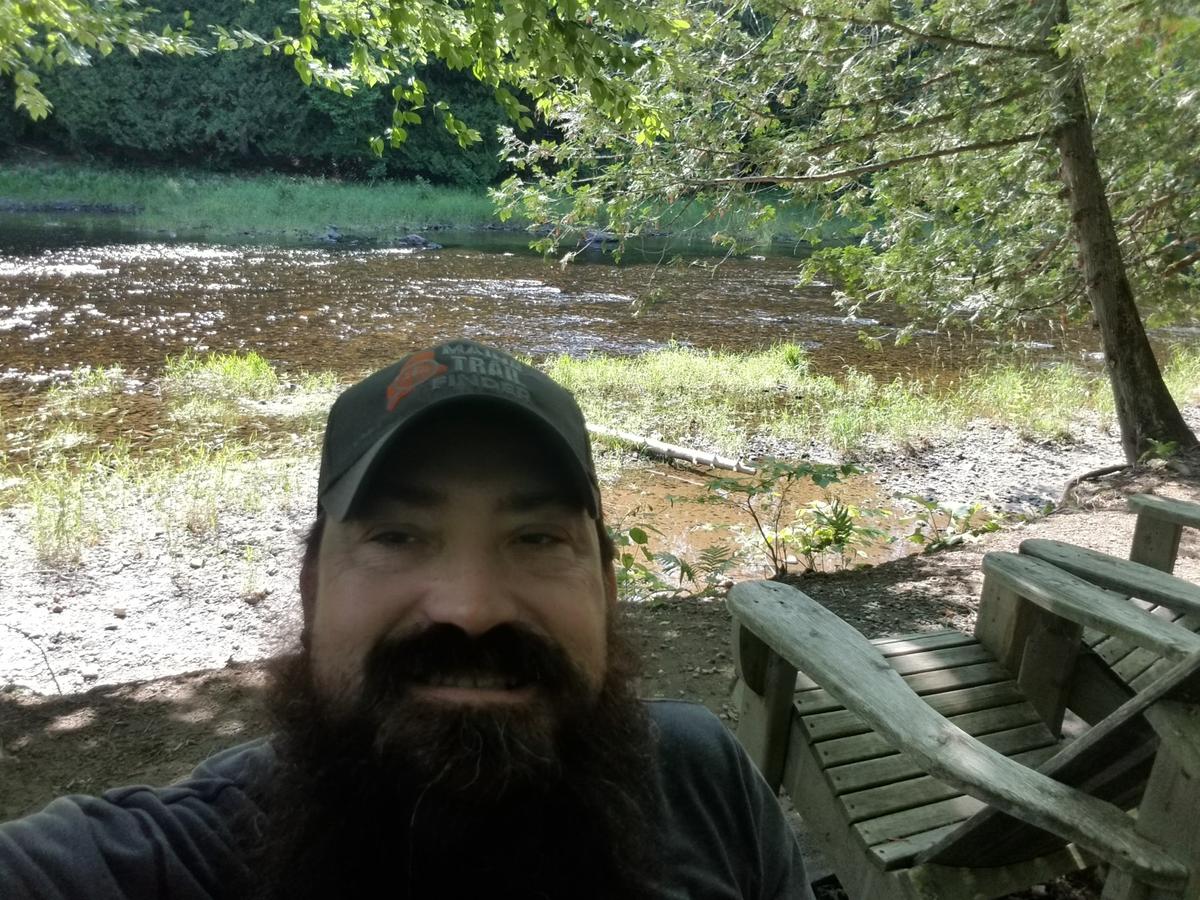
{"x": 1146, "y": 411}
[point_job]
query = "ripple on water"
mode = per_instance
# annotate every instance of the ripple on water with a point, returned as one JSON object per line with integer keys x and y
{"x": 328, "y": 308}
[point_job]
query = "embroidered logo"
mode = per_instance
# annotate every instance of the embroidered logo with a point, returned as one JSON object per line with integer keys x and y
{"x": 417, "y": 368}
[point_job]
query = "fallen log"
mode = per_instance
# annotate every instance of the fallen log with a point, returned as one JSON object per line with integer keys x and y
{"x": 671, "y": 451}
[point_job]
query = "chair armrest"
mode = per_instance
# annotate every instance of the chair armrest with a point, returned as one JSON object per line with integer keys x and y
{"x": 1074, "y": 599}
{"x": 843, "y": 662}
{"x": 1118, "y": 574}
{"x": 1177, "y": 512}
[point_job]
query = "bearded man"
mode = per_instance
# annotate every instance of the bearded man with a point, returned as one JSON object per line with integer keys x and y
{"x": 459, "y": 720}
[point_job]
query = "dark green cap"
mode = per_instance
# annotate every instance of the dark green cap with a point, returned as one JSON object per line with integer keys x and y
{"x": 370, "y": 416}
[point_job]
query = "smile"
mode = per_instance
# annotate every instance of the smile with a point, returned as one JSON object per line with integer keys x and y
{"x": 479, "y": 681}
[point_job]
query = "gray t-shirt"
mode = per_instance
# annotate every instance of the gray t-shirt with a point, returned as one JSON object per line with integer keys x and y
{"x": 724, "y": 836}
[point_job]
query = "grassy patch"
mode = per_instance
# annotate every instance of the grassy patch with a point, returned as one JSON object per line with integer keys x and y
{"x": 218, "y": 433}
{"x": 268, "y": 204}
{"x": 222, "y": 433}
{"x": 1182, "y": 374}
{"x": 724, "y": 401}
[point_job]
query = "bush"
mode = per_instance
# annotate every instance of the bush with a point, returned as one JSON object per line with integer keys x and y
{"x": 241, "y": 109}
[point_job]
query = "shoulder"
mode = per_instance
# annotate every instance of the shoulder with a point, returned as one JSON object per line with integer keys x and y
{"x": 689, "y": 731}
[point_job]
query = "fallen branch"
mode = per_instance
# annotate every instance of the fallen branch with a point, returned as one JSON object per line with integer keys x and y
{"x": 671, "y": 451}
{"x": 1089, "y": 476}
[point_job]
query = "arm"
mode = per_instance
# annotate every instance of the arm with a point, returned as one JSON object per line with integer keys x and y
{"x": 184, "y": 841}
{"x": 727, "y": 835}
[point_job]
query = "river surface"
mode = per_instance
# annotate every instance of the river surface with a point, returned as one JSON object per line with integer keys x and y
{"x": 71, "y": 296}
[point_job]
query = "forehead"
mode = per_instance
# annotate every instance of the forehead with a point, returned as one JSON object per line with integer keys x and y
{"x": 472, "y": 448}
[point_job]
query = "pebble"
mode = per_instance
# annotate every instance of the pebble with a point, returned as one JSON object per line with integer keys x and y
{"x": 196, "y": 563}
{"x": 256, "y": 597}
{"x": 119, "y": 612}
{"x": 110, "y": 627}
{"x": 56, "y": 608}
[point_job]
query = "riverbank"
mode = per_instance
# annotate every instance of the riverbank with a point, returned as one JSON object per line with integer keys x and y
{"x": 107, "y": 462}
{"x": 109, "y": 727}
{"x": 214, "y": 206}
{"x": 211, "y": 205}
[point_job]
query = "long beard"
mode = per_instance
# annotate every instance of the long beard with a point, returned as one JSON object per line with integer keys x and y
{"x": 398, "y": 797}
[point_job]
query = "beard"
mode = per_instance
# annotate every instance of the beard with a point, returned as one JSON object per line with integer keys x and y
{"x": 390, "y": 794}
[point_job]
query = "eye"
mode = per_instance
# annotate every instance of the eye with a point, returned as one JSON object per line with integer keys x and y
{"x": 393, "y": 537}
{"x": 540, "y": 539}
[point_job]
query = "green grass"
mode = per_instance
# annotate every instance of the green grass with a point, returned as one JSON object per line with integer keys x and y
{"x": 215, "y": 205}
{"x": 722, "y": 401}
{"x": 194, "y": 201}
{"x": 232, "y": 430}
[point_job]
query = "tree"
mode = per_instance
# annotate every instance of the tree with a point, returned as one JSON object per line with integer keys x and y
{"x": 595, "y": 48}
{"x": 1001, "y": 160}
{"x": 41, "y": 34}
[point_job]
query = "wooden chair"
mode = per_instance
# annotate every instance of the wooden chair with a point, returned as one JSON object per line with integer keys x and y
{"x": 931, "y": 766}
{"x": 1111, "y": 667}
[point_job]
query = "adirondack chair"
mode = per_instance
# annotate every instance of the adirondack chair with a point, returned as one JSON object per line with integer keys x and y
{"x": 931, "y": 766}
{"x": 1111, "y": 668}
{"x": 1160, "y": 523}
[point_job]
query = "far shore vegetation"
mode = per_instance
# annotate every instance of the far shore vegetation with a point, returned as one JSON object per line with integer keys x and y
{"x": 213, "y": 205}
{"x": 216, "y": 433}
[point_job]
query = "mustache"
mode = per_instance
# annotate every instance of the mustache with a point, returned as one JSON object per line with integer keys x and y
{"x": 512, "y": 653}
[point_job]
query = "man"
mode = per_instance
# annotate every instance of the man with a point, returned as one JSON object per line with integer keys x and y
{"x": 459, "y": 721}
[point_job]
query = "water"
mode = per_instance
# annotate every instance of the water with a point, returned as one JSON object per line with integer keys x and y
{"x": 71, "y": 295}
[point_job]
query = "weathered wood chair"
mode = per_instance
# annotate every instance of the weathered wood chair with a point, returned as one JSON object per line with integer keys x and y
{"x": 931, "y": 766}
{"x": 1111, "y": 667}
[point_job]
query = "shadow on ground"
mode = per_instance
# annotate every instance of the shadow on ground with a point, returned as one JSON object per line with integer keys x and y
{"x": 151, "y": 732}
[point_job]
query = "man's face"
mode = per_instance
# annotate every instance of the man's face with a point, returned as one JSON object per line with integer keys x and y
{"x": 473, "y": 527}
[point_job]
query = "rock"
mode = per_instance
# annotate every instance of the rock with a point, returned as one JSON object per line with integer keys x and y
{"x": 119, "y": 612}
{"x": 56, "y": 608}
{"x": 196, "y": 563}
{"x": 417, "y": 242}
{"x": 110, "y": 627}
{"x": 253, "y": 598}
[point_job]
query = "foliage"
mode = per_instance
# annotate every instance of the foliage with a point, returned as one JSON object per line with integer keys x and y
{"x": 37, "y": 35}
{"x": 937, "y": 526}
{"x": 826, "y": 529}
{"x": 643, "y": 573}
{"x": 766, "y": 497}
{"x": 929, "y": 124}
{"x": 246, "y": 109}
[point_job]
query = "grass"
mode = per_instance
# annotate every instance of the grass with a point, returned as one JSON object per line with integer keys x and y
{"x": 725, "y": 401}
{"x": 232, "y": 430}
{"x": 193, "y": 201}
{"x": 225, "y": 432}
{"x": 213, "y": 204}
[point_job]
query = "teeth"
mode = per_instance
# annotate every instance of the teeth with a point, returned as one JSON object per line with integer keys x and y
{"x": 479, "y": 682}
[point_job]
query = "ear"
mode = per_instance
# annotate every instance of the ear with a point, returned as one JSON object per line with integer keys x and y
{"x": 308, "y": 595}
{"x": 610, "y": 586}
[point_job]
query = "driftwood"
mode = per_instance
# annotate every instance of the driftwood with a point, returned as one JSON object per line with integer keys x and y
{"x": 672, "y": 451}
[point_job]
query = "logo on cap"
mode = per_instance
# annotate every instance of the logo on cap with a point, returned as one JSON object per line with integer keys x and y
{"x": 417, "y": 368}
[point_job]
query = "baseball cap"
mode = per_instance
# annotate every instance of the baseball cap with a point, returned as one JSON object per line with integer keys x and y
{"x": 369, "y": 417}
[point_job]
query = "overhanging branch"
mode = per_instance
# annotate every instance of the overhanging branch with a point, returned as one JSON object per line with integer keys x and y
{"x": 949, "y": 40}
{"x": 857, "y": 171}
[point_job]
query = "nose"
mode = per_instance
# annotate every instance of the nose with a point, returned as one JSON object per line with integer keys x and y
{"x": 471, "y": 593}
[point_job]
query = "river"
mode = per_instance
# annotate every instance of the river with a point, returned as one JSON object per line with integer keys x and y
{"x": 71, "y": 296}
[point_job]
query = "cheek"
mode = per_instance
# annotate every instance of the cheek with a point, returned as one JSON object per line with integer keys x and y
{"x": 345, "y": 625}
